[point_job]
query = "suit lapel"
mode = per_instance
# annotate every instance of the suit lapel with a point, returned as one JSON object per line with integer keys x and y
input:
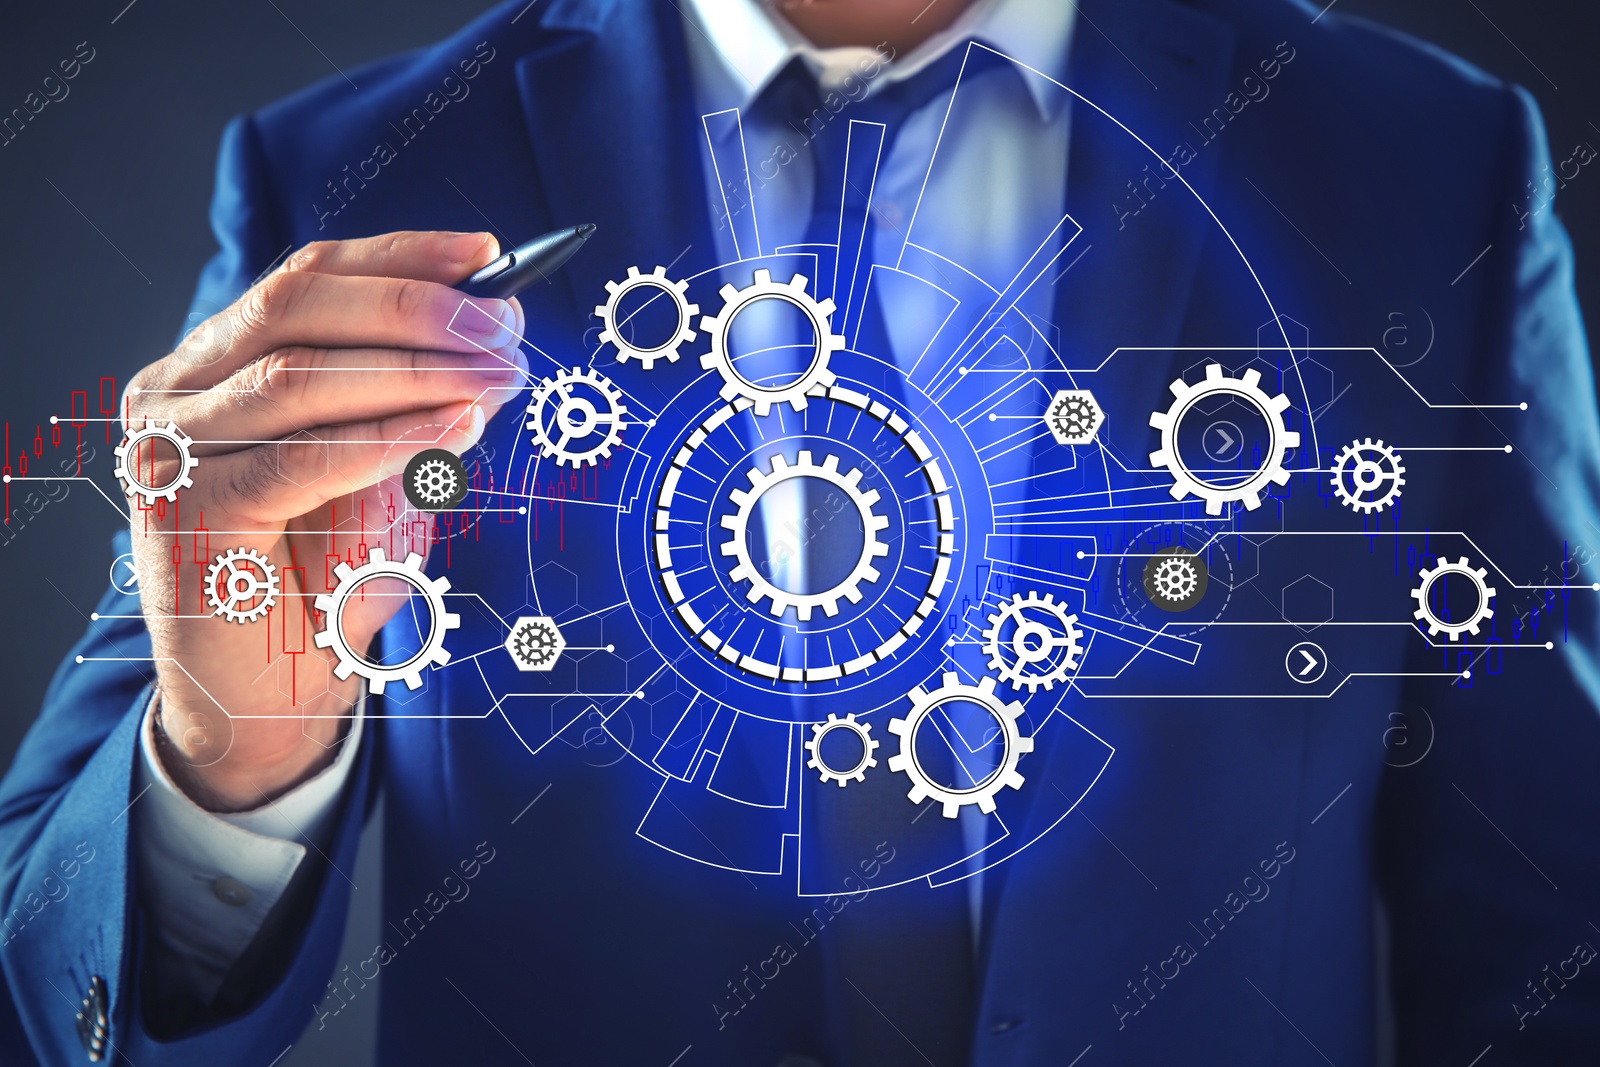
{"x": 1132, "y": 286}
{"x": 607, "y": 101}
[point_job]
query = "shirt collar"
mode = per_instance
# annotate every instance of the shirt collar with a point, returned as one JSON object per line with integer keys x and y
{"x": 737, "y": 46}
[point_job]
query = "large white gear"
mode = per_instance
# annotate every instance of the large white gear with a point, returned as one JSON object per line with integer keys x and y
{"x": 559, "y": 417}
{"x": 1033, "y": 642}
{"x": 683, "y": 331}
{"x": 923, "y": 704}
{"x": 794, "y": 392}
{"x": 432, "y": 590}
{"x": 1247, "y": 388}
{"x": 1368, "y": 465}
{"x": 1425, "y": 612}
{"x": 240, "y": 585}
{"x": 127, "y": 452}
{"x": 863, "y": 732}
{"x": 762, "y": 587}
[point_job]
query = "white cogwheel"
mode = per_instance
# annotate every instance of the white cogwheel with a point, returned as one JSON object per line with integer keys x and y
{"x": 863, "y": 732}
{"x": 229, "y": 583}
{"x": 1367, "y": 475}
{"x": 682, "y": 332}
{"x": 563, "y": 414}
{"x": 1247, "y": 388}
{"x": 1039, "y": 652}
{"x": 761, "y": 586}
{"x": 1425, "y": 611}
{"x": 923, "y": 704}
{"x": 435, "y": 482}
{"x": 351, "y": 661}
{"x": 1175, "y": 578}
{"x": 128, "y": 461}
{"x": 793, "y": 392}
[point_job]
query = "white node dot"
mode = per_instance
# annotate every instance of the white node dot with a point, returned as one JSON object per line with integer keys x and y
{"x": 522, "y": 511}
{"x": 639, "y": 695}
{"x": 993, "y": 416}
{"x": 133, "y": 390}
{"x": 54, "y": 419}
{"x": 1466, "y": 674}
{"x": 94, "y": 616}
{"x": 1549, "y": 644}
{"x": 611, "y": 648}
{"x": 1596, "y": 587}
{"x": 77, "y": 659}
{"x": 1080, "y": 553}
{"x": 1523, "y": 405}
{"x": 1508, "y": 448}
{"x": 961, "y": 370}
{"x": 6, "y": 479}
{"x": 650, "y": 422}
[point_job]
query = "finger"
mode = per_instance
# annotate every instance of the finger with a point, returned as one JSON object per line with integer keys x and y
{"x": 295, "y": 388}
{"x": 272, "y": 483}
{"x": 442, "y": 256}
{"x": 331, "y": 311}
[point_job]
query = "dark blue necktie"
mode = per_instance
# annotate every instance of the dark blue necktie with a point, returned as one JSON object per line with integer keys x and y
{"x": 899, "y": 962}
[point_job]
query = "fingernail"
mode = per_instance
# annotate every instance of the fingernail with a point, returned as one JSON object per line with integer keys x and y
{"x": 466, "y": 247}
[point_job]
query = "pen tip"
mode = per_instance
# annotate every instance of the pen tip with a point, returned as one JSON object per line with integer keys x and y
{"x": 586, "y": 230}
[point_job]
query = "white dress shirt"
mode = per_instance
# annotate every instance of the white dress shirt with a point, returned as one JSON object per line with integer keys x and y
{"x": 208, "y": 880}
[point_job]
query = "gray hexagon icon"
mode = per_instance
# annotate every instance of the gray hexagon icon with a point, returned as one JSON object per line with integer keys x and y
{"x": 1074, "y": 417}
{"x": 535, "y": 643}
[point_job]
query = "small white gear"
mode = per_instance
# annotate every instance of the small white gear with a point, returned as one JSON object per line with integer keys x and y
{"x": 127, "y": 461}
{"x": 240, "y": 585}
{"x": 762, "y": 587}
{"x": 1246, "y": 387}
{"x": 683, "y": 331}
{"x": 869, "y": 745}
{"x": 1175, "y": 578}
{"x": 1425, "y": 612}
{"x": 924, "y": 703}
{"x": 1375, "y": 475}
{"x": 435, "y": 481}
{"x": 794, "y": 392}
{"x": 562, "y": 414}
{"x": 1033, "y": 642}
{"x": 351, "y": 662}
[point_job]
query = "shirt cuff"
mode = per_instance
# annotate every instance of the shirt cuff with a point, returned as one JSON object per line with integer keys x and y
{"x": 208, "y": 880}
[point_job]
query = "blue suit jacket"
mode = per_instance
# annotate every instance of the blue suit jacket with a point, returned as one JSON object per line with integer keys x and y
{"x": 1214, "y": 898}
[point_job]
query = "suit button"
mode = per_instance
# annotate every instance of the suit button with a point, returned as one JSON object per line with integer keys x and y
{"x": 233, "y": 893}
{"x": 94, "y": 1026}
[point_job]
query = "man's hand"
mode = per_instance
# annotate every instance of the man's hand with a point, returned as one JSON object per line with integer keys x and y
{"x": 305, "y": 400}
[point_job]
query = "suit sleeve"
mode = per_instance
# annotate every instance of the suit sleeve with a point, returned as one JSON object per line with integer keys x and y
{"x": 1486, "y": 858}
{"x": 69, "y": 915}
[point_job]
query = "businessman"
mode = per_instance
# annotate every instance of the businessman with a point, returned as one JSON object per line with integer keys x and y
{"x": 210, "y": 849}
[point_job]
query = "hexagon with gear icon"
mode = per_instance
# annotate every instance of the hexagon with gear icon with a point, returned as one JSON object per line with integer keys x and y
{"x": 1074, "y": 417}
{"x": 535, "y": 643}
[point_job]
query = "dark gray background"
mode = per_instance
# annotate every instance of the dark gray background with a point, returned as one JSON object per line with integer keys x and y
{"x": 102, "y": 207}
